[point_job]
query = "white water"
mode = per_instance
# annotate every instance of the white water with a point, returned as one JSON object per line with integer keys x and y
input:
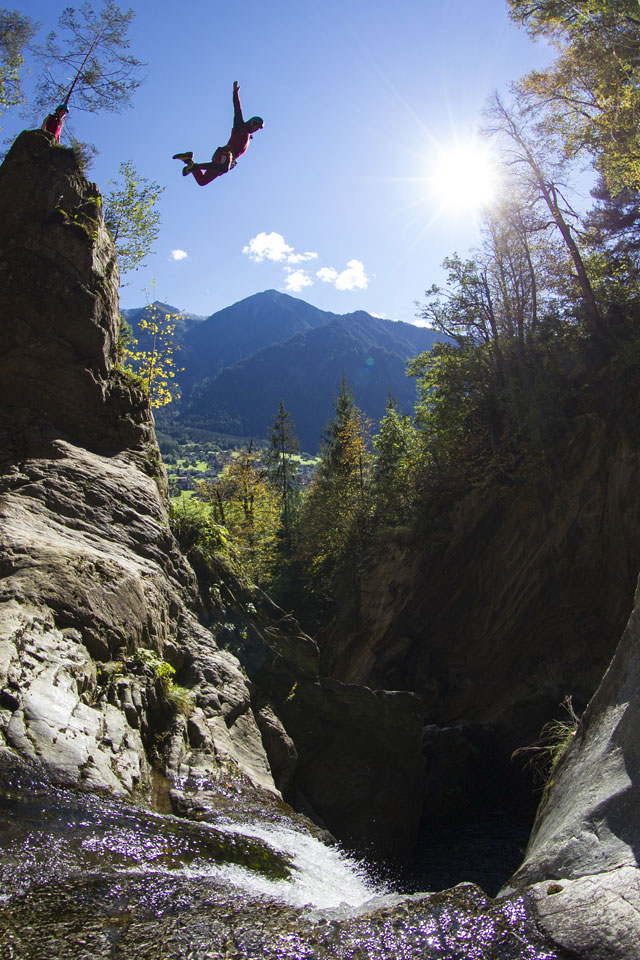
{"x": 322, "y": 876}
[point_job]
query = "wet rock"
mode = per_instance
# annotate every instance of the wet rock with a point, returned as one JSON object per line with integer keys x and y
{"x": 595, "y": 917}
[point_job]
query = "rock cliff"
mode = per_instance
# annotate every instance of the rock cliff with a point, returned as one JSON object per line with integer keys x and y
{"x": 109, "y": 680}
{"x": 514, "y": 596}
{"x": 586, "y": 837}
{"x": 522, "y": 587}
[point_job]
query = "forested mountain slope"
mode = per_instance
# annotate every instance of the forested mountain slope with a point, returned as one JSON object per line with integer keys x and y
{"x": 306, "y": 370}
{"x": 241, "y": 330}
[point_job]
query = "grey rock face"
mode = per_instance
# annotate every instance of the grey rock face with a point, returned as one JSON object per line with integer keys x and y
{"x": 582, "y": 858}
{"x": 595, "y": 917}
{"x": 589, "y": 819}
{"x": 89, "y": 570}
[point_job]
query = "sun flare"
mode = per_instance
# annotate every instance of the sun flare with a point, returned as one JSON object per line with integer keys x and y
{"x": 464, "y": 178}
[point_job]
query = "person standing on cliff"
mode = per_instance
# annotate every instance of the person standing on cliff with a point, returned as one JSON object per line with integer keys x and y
{"x": 224, "y": 159}
{"x": 53, "y": 123}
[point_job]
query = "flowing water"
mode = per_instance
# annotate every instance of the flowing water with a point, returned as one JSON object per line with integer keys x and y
{"x": 84, "y": 878}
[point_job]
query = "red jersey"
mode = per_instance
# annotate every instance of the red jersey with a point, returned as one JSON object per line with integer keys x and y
{"x": 240, "y": 136}
{"x": 53, "y": 124}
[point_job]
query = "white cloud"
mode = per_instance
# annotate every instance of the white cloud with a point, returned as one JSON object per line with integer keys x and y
{"x": 352, "y": 278}
{"x": 268, "y": 246}
{"x": 179, "y": 254}
{"x": 327, "y": 274}
{"x": 297, "y": 280}
{"x": 273, "y": 246}
{"x": 301, "y": 257}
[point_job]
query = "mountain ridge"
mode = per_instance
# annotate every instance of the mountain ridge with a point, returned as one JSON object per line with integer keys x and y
{"x": 240, "y": 361}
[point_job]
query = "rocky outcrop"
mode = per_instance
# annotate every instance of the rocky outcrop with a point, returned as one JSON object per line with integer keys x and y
{"x": 585, "y": 844}
{"x": 129, "y": 672}
{"x": 90, "y": 570}
{"x": 59, "y": 282}
{"x": 107, "y": 674}
{"x": 346, "y": 755}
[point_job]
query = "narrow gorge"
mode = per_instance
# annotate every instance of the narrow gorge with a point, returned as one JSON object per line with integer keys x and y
{"x": 182, "y": 774}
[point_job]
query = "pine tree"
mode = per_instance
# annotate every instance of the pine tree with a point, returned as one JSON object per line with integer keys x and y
{"x": 334, "y": 521}
{"x": 283, "y": 468}
{"x": 395, "y": 463}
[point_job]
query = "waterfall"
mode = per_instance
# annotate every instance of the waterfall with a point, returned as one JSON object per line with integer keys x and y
{"x": 322, "y": 876}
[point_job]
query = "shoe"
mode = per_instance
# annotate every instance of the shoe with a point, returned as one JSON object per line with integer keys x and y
{"x": 188, "y": 167}
{"x": 183, "y": 156}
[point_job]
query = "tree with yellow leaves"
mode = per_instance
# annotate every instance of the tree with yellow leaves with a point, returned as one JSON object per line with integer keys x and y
{"x": 154, "y": 366}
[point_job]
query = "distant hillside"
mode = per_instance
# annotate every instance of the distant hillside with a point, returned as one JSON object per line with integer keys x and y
{"x": 184, "y": 323}
{"x": 306, "y": 371}
{"x": 238, "y": 362}
{"x": 239, "y": 331}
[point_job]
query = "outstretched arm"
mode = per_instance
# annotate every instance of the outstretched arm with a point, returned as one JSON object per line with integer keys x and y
{"x": 238, "y": 120}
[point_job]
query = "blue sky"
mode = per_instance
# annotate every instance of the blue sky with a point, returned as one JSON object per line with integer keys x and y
{"x": 332, "y": 201}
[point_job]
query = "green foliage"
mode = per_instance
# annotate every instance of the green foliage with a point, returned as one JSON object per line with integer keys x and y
{"x": 334, "y": 520}
{"x": 16, "y": 30}
{"x": 281, "y": 465}
{"x": 590, "y": 97}
{"x": 179, "y": 698}
{"x": 86, "y": 61}
{"x": 193, "y": 525}
{"x": 131, "y": 215}
{"x": 455, "y": 398}
{"x": 244, "y": 500}
{"x": 396, "y": 464}
{"x": 553, "y": 742}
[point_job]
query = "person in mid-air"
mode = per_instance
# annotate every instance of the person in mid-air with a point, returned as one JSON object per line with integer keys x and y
{"x": 224, "y": 159}
{"x": 53, "y": 123}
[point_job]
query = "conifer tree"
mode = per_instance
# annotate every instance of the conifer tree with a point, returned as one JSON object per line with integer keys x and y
{"x": 395, "y": 462}
{"x": 283, "y": 468}
{"x": 334, "y": 520}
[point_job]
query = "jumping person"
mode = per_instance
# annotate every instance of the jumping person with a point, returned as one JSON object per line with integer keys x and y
{"x": 224, "y": 159}
{"x": 53, "y": 123}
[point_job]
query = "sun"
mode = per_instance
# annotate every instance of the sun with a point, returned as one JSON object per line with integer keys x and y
{"x": 464, "y": 178}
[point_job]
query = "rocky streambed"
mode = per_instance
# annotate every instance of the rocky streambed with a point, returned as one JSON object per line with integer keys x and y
{"x": 89, "y": 877}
